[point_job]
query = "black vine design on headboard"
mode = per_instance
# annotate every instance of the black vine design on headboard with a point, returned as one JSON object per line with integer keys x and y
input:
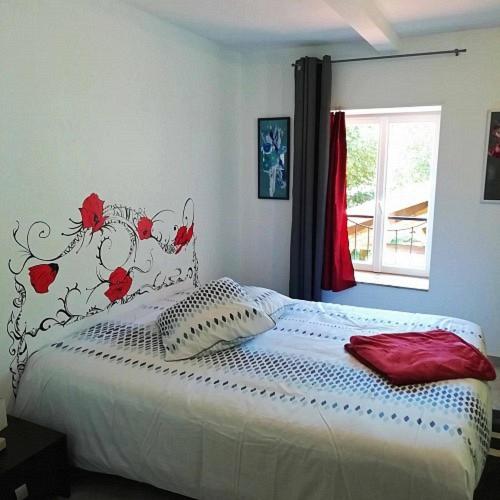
{"x": 115, "y": 284}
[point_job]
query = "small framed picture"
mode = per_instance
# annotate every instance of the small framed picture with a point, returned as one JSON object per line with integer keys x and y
{"x": 274, "y": 158}
{"x": 491, "y": 184}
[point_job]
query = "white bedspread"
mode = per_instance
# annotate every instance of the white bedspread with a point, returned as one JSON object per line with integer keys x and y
{"x": 288, "y": 415}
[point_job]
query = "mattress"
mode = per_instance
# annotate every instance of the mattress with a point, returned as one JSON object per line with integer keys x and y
{"x": 287, "y": 415}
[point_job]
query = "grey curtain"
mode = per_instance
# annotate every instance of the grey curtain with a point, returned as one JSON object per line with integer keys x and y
{"x": 313, "y": 87}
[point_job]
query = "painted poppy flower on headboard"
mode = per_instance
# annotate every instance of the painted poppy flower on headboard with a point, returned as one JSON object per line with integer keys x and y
{"x": 183, "y": 237}
{"x": 42, "y": 276}
{"x": 92, "y": 212}
{"x": 120, "y": 282}
{"x": 144, "y": 228}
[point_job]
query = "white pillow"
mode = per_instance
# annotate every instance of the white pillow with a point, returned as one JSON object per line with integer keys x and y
{"x": 217, "y": 316}
{"x": 268, "y": 300}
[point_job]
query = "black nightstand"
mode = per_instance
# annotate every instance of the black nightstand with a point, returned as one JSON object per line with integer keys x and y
{"x": 35, "y": 456}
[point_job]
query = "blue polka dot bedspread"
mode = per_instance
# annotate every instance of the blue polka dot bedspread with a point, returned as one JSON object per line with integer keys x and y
{"x": 288, "y": 415}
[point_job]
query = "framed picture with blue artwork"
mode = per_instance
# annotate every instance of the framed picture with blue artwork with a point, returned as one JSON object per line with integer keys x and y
{"x": 274, "y": 158}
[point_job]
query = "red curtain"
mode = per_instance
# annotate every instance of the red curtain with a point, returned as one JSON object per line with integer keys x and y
{"x": 338, "y": 273}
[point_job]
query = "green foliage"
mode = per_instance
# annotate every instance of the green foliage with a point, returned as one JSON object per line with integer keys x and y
{"x": 412, "y": 149}
{"x": 420, "y": 160}
{"x": 361, "y": 164}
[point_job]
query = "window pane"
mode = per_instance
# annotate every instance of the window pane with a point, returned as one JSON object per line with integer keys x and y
{"x": 408, "y": 190}
{"x": 362, "y": 158}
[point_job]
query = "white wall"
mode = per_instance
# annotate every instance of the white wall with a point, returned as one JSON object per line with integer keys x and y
{"x": 465, "y": 269}
{"x": 98, "y": 96}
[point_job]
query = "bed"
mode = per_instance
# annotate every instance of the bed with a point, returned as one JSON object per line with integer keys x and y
{"x": 287, "y": 415}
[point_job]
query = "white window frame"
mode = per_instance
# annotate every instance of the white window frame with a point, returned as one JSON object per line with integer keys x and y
{"x": 384, "y": 117}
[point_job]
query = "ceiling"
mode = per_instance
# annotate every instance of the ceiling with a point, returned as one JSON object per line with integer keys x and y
{"x": 380, "y": 22}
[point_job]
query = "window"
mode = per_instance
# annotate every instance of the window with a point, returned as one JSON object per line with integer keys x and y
{"x": 391, "y": 172}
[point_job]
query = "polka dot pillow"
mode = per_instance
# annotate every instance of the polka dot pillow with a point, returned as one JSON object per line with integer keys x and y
{"x": 217, "y": 316}
{"x": 267, "y": 300}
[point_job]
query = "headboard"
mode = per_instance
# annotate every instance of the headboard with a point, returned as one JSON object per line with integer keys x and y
{"x": 109, "y": 255}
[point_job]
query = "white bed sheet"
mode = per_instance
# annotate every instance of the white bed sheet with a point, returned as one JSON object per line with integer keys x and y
{"x": 288, "y": 415}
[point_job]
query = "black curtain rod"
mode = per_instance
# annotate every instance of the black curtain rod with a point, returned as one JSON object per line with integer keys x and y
{"x": 457, "y": 52}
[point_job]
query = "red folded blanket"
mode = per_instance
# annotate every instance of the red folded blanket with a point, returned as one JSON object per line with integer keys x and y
{"x": 418, "y": 357}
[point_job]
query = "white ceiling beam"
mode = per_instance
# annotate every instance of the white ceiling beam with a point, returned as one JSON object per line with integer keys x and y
{"x": 365, "y": 17}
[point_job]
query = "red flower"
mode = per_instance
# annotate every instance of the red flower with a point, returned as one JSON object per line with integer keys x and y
{"x": 119, "y": 284}
{"x": 495, "y": 150}
{"x": 183, "y": 237}
{"x": 144, "y": 227}
{"x": 92, "y": 213}
{"x": 42, "y": 276}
